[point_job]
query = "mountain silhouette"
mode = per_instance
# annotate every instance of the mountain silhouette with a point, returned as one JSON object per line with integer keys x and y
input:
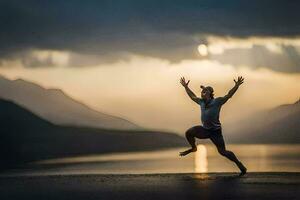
{"x": 57, "y": 107}
{"x": 277, "y": 125}
{"x": 25, "y": 137}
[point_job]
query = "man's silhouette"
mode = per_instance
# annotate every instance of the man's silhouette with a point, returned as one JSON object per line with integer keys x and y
{"x": 211, "y": 126}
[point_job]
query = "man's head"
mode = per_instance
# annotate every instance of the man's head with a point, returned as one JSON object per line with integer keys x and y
{"x": 207, "y": 92}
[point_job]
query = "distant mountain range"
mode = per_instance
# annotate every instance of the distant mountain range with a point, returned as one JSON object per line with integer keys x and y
{"x": 55, "y": 106}
{"x": 277, "y": 125}
{"x": 26, "y": 137}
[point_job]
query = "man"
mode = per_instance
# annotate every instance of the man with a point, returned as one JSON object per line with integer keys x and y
{"x": 211, "y": 126}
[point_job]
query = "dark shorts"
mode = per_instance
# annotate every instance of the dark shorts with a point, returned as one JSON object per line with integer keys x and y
{"x": 214, "y": 135}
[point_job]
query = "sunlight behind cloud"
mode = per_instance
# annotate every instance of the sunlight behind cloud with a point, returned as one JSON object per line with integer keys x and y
{"x": 203, "y": 50}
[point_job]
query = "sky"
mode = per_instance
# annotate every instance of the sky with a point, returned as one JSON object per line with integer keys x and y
{"x": 126, "y": 57}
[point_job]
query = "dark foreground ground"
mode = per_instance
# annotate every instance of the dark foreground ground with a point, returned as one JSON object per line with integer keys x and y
{"x": 152, "y": 186}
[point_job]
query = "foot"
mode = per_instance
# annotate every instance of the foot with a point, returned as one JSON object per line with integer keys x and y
{"x": 242, "y": 168}
{"x": 184, "y": 153}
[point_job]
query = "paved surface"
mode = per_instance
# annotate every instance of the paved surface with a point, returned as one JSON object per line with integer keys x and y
{"x": 152, "y": 186}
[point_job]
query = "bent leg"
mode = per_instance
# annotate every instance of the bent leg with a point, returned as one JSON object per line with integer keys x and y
{"x": 220, "y": 144}
{"x": 191, "y": 134}
{"x": 218, "y": 140}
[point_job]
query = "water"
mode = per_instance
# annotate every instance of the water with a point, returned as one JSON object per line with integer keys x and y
{"x": 257, "y": 158}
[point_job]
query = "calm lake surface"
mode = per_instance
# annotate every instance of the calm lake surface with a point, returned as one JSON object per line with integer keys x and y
{"x": 257, "y": 158}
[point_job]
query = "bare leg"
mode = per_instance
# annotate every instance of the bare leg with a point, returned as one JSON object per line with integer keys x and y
{"x": 231, "y": 156}
{"x": 190, "y": 134}
{"x": 220, "y": 144}
{"x": 191, "y": 139}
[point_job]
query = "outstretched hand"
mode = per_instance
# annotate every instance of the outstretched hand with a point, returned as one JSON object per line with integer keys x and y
{"x": 183, "y": 82}
{"x": 239, "y": 81}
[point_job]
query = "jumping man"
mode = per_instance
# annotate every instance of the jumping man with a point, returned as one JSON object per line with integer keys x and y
{"x": 211, "y": 126}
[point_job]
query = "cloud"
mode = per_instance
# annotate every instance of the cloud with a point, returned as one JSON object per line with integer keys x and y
{"x": 279, "y": 54}
{"x": 107, "y": 31}
{"x": 34, "y": 58}
{"x": 218, "y": 45}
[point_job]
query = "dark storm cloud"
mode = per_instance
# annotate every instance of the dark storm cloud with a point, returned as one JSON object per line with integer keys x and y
{"x": 169, "y": 29}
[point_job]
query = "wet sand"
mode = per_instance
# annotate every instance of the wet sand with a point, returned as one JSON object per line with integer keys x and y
{"x": 260, "y": 185}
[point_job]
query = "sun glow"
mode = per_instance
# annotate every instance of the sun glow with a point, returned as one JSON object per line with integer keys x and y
{"x": 202, "y": 48}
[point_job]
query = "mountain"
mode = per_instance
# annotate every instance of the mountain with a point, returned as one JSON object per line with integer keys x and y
{"x": 57, "y": 107}
{"x": 277, "y": 125}
{"x": 25, "y": 137}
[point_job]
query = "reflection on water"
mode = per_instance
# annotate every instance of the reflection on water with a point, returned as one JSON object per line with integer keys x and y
{"x": 206, "y": 159}
{"x": 201, "y": 159}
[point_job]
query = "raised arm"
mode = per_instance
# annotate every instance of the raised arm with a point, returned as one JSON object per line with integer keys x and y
{"x": 188, "y": 90}
{"x": 231, "y": 92}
